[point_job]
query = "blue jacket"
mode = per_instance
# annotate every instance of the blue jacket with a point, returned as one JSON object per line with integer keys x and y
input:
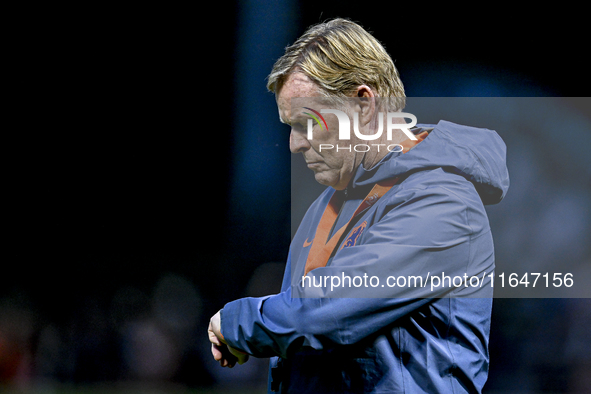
{"x": 427, "y": 338}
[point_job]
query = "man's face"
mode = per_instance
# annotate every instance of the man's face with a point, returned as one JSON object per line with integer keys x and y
{"x": 331, "y": 168}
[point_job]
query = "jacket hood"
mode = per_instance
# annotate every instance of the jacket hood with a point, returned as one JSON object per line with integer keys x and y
{"x": 477, "y": 154}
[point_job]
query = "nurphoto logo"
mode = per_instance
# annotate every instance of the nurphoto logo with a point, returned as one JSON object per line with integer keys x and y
{"x": 393, "y": 121}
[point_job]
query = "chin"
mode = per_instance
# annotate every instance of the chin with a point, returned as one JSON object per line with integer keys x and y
{"x": 325, "y": 180}
{"x": 328, "y": 180}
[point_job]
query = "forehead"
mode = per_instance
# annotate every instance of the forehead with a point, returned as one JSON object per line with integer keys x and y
{"x": 296, "y": 85}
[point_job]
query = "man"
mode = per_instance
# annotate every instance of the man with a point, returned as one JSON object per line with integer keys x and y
{"x": 411, "y": 206}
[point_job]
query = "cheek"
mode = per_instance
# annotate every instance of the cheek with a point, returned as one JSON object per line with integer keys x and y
{"x": 326, "y": 136}
{"x": 335, "y": 160}
{"x": 322, "y": 143}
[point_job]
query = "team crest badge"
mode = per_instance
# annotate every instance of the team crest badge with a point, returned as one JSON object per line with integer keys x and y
{"x": 355, "y": 233}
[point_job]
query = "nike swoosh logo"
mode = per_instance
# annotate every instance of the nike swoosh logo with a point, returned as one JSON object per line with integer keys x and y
{"x": 306, "y": 243}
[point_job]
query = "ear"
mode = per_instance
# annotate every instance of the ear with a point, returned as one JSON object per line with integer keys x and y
{"x": 366, "y": 104}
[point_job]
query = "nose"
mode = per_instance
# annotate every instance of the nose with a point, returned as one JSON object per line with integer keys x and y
{"x": 298, "y": 143}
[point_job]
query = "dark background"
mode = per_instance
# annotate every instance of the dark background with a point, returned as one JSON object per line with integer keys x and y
{"x": 143, "y": 155}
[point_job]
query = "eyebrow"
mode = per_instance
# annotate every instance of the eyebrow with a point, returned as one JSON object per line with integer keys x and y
{"x": 288, "y": 122}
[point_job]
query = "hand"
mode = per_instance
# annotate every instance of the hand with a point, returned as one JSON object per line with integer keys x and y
{"x": 226, "y": 355}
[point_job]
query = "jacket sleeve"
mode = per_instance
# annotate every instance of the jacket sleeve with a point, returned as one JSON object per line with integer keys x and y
{"x": 429, "y": 234}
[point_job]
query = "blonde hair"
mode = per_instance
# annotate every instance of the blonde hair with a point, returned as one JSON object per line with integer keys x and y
{"x": 339, "y": 55}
